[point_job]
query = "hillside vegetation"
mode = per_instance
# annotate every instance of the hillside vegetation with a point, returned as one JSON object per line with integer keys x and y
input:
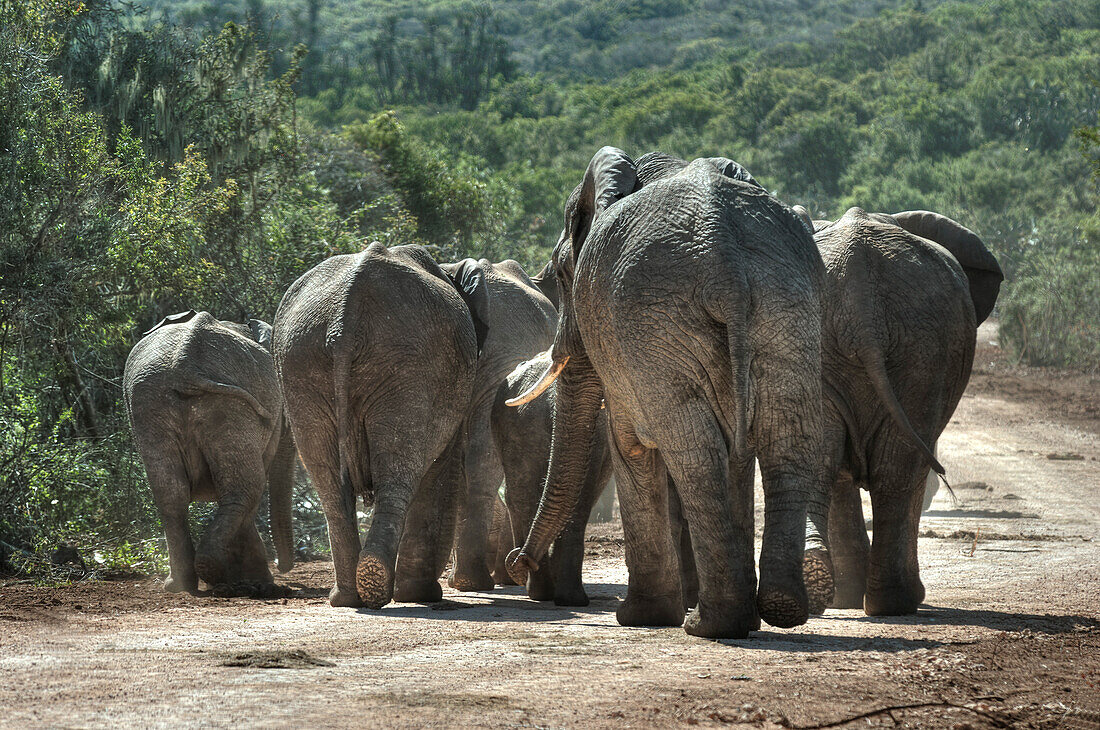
{"x": 157, "y": 158}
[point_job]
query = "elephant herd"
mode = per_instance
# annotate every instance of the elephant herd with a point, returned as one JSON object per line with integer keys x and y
{"x": 688, "y": 327}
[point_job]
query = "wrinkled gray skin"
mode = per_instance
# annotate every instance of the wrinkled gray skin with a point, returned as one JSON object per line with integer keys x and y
{"x": 903, "y": 297}
{"x": 377, "y": 354}
{"x": 691, "y": 300}
{"x": 523, "y": 435}
{"x": 521, "y": 323}
{"x": 207, "y": 418}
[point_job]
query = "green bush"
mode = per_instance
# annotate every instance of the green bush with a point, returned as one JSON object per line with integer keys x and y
{"x": 1050, "y": 314}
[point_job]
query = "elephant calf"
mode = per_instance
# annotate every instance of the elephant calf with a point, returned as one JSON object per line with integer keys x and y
{"x": 903, "y": 297}
{"x": 207, "y": 418}
{"x": 523, "y": 436}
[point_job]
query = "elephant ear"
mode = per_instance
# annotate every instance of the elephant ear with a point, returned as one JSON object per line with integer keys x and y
{"x": 171, "y": 319}
{"x": 261, "y": 332}
{"x": 731, "y": 169}
{"x": 804, "y": 216}
{"x": 547, "y": 283}
{"x": 469, "y": 278}
{"x": 654, "y": 166}
{"x": 982, "y": 270}
{"x": 611, "y": 176}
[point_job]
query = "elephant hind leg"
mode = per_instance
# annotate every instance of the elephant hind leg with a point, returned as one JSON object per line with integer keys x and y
{"x": 501, "y": 541}
{"x": 894, "y": 586}
{"x": 653, "y": 586}
{"x": 714, "y": 504}
{"x": 172, "y": 494}
{"x": 396, "y": 477}
{"x": 430, "y": 530}
{"x": 484, "y": 473}
{"x": 849, "y": 546}
{"x": 239, "y": 480}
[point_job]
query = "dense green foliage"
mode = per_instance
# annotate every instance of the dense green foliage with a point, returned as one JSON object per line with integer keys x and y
{"x": 159, "y": 159}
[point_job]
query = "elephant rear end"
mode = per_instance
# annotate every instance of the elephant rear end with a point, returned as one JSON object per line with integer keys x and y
{"x": 377, "y": 354}
{"x": 900, "y": 330}
{"x": 206, "y": 414}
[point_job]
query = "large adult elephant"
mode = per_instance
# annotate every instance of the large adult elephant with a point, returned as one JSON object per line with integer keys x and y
{"x": 377, "y": 354}
{"x": 521, "y": 323}
{"x": 207, "y": 418}
{"x": 693, "y": 304}
{"x": 903, "y": 297}
{"x": 523, "y": 436}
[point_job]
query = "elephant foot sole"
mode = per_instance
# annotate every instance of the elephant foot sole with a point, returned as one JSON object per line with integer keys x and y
{"x": 658, "y": 611}
{"x": 782, "y": 608}
{"x": 418, "y": 591}
{"x": 817, "y": 572}
{"x": 373, "y": 581}
{"x": 713, "y": 623}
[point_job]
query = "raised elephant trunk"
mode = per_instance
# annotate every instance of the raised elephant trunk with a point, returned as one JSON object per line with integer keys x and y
{"x": 577, "y": 408}
{"x": 280, "y": 497}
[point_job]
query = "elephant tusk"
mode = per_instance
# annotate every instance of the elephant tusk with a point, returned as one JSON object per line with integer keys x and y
{"x": 540, "y": 387}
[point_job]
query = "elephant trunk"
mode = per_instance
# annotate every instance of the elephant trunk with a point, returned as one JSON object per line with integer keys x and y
{"x": 572, "y": 449}
{"x": 281, "y": 493}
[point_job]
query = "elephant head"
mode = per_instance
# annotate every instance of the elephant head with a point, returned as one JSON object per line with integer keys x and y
{"x": 611, "y": 176}
{"x": 981, "y": 268}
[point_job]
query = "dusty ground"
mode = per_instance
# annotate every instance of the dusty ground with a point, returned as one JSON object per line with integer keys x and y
{"x": 1009, "y": 637}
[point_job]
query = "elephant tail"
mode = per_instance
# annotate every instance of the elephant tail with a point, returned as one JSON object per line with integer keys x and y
{"x": 200, "y": 386}
{"x": 875, "y": 367}
{"x": 343, "y": 428}
{"x": 280, "y": 484}
{"x": 732, "y": 311}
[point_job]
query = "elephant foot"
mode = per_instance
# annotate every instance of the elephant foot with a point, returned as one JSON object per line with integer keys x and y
{"x": 340, "y": 598}
{"x": 850, "y": 582}
{"x": 893, "y": 600}
{"x": 418, "y": 591}
{"x": 540, "y": 586}
{"x": 782, "y": 606}
{"x": 472, "y": 580}
{"x": 817, "y": 573}
{"x": 209, "y": 569}
{"x": 573, "y": 595}
{"x": 251, "y": 589}
{"x": 501, "y": 577}
{"x": 656, "y": 611}
{"x": 190, "y": 584}
{"x": 374, "y": 581}
{"x": 847, "y": 597}
{"x": 729, "y": 622}
{"x": 272, "y": 590}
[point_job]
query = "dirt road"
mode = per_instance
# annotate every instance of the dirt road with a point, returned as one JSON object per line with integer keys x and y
{"x": 1009, "y": 636}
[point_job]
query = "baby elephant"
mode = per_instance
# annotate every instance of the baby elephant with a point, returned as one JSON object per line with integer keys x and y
{"x": 523, "y": 435}
{"x": 207, "y": 418}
